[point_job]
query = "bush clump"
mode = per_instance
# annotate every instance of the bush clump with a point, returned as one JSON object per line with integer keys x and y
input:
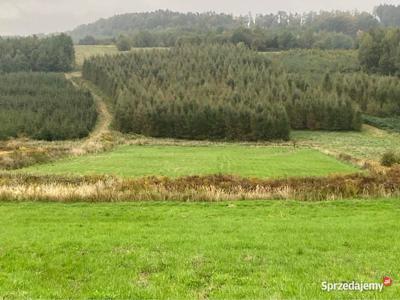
{"x": 390, "y": 158}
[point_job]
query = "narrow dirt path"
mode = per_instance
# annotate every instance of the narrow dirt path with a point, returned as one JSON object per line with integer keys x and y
{"x": 100, "y": 135}
{"x": 100, "y": 139}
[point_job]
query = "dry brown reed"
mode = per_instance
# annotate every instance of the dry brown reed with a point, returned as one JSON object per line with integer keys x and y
{"x": 15, "y": 187}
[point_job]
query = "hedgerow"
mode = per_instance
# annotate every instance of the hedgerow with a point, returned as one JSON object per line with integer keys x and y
{"x": 213, "y": 188}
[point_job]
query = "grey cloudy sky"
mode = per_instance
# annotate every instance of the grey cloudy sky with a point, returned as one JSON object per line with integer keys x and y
{"x": 22, "y": 17}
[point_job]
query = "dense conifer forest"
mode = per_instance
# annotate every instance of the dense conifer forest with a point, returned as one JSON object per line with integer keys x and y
{"x": 215, "y": 91}
{"x": 44, "y": 106}
{"x": 374, "y": 94}
{"x": 51, "y": 54}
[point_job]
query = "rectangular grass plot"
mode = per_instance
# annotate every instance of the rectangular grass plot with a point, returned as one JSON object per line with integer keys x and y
{"x": 176, "y": 161}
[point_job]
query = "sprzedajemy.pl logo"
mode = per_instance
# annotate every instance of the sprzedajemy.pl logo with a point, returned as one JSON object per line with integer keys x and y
{"x": 356, "y": 286}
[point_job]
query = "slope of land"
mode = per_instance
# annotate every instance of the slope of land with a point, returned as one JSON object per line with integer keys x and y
{"x": 366, "y": 146}
{"x": 369, "y": 144}
{"x": 98, "y": 136}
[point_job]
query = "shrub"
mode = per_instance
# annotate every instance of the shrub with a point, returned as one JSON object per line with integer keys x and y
{"x": 390, "y": 158}
{"x": 123, "y": 43}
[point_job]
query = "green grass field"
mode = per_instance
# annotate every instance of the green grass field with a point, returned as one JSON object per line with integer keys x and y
{"x": 371, "y": 143}
{"x": 83, "y": 52}
{"x": 253, "y": 250}
{"x": 316, "y": 62}
{"x": 175, "y": 161}
{"x": 86, "y": 51}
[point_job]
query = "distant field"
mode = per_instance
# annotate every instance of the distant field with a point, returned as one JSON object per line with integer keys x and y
{"x": 86, "y": 51}
{"x": 253, "y": 250}
{"x": 370, "y": 143}
{"x": 174, "y": 161}
{"x": 82, "y": 52}
{"x": 317, "y": 62}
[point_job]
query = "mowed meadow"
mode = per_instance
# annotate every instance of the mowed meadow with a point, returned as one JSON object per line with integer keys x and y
{"x": 190, "y": 168}
{"x": 83, "y": 52}
{"x": 246, "y": 250}
{"x": 176, "y": 161}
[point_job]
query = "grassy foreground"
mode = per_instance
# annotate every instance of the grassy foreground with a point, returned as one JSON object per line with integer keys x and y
{"x": 260, "y": 249}
{"x": 174, "y": 161}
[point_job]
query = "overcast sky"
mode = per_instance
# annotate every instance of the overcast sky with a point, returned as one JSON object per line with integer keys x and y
{"x": 22, "y": 17}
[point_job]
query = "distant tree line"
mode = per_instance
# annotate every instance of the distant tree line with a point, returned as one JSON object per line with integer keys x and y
{"x": 154, "y": 21}
{"x": 379, "y": 51}
{"x": 44, "y": 106}
{"x": 348, "y": 23}
{"x": 256, "y": 38}
{"x": 215, "y": 92}
{"x": 323, "y": 30}
{"x": 51, "y": 54}
{"x": 388, "y": 15}
{"x": 284, "y": 39}
{"x": 90, "y": 41}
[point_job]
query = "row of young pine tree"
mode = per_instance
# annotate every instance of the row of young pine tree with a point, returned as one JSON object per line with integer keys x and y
{"x": 374, "y": 94}
{"x": 215, "y": 92}
{"x": 51, "y": 54}
{"x": 44, "y": 106}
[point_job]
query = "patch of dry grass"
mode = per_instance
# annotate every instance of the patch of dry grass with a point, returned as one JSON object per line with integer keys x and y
{"x": 15, "y": 187}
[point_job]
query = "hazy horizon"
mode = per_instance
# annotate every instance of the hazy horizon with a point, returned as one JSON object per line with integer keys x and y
{"x": 25, "y": 17}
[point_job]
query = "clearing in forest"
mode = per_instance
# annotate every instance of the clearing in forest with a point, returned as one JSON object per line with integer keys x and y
{"x": 176, "y": 161}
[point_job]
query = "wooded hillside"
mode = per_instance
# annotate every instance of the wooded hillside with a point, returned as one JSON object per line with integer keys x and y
{"x": 263, "y": 32}
{"x": 214, "y": 91}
